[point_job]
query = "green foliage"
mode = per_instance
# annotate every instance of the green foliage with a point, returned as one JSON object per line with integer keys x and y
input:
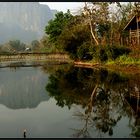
{"x": 124, "y": 60}
{"x": 35, "y": 45}
{"x": 55, "y": 26}
{"x": 116, "y": 51}
{"x": 17, "y": 45}
{"x": 84, "y": 52}
{"x": 103, "y": 28}
{"x": 104, "y": 53}
{"x": 72, "y": 34}
{"x": 71, "y": 39}
{"x": 45, "y": 41}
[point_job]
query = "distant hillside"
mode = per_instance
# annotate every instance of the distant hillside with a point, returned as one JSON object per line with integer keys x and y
{"x": 25, "y": 21}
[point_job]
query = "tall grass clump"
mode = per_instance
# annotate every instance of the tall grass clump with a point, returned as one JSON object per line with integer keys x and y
{"x": 125, "y": 60}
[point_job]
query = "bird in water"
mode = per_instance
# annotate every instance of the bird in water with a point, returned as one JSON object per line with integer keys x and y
{"x": 24, "y": 133}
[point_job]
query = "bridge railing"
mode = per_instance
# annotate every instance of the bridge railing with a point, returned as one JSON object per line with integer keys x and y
{"x": 33, "y": 53}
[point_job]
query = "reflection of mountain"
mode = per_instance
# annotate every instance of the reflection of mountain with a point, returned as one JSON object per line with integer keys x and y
{"x": 24, "y": 88}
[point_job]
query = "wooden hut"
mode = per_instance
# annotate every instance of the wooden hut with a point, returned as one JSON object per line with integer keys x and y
{"x": 133, "y": 27}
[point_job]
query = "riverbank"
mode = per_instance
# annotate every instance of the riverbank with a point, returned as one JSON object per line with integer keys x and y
{"x": 127, "y": 69}
{"x": 33, "y": 59}
{"x": 64, "y": 58}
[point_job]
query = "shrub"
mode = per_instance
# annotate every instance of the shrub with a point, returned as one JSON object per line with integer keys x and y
{"x": 116, "y": 51}
{"x": 84, "y": 52}
{"x": 104, "y": 53}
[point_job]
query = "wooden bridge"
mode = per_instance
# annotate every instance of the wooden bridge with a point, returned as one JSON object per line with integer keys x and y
{"x": 33, "y": 56}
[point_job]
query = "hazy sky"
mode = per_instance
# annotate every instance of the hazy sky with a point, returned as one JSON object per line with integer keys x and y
{"x": 63, "y": 6}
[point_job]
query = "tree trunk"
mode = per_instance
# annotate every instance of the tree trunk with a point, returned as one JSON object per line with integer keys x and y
{"x": 89, "y": 14}
{"x": 93, "y": 36}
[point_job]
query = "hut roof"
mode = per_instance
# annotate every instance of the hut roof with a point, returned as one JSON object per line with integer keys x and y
{"x": 132, "y": 24}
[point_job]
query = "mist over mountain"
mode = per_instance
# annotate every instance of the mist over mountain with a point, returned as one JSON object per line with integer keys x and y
{"x": 25, "y": 21}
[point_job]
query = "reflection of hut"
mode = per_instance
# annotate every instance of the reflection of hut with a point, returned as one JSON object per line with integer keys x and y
{"x": 133, "y": 27}
{"x": 134, "y": 102}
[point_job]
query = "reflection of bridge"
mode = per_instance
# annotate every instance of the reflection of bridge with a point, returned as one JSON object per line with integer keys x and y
{"x": 33, "y": 56}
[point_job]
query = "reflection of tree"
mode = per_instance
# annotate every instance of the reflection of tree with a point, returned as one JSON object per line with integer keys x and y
{"x": 74, "y": 86}
{"x": 67, "y": 89}
{"x": 84, "y": 130}
{"x": 86, "y": 116}
{"x": 136, "y": 127}
{"x": 97, "y": 114}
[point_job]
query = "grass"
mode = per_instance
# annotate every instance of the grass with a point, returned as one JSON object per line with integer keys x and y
{"x": 124, "y": 60}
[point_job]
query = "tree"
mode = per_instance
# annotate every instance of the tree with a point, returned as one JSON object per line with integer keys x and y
{"x": 73, "y": 37}
{"x": 35, "y": 44}
{"x": 17, "y": 45}
{"x": 104, "y": 24}
{"x": 44, "y": 41}
{"x": 55, "y": 26}
{"x": 89, "y": 15}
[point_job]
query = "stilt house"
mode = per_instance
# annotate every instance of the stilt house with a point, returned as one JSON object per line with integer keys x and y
{"x": 133, "y": 27}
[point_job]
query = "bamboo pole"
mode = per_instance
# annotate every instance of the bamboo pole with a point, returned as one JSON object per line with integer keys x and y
{"x": 138, "y": 39}
{"x": 130, "y": 35}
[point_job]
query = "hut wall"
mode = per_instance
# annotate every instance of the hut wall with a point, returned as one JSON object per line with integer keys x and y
{"x": 134, "y": 34}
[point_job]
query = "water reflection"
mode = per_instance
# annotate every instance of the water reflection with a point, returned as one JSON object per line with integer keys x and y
{"x": 65, "y": 101}
{"x": 113, "y": 103}
{"x": 22, "y": 88}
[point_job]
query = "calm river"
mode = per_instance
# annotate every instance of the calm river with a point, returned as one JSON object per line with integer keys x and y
{"x": 53, "y": 101}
